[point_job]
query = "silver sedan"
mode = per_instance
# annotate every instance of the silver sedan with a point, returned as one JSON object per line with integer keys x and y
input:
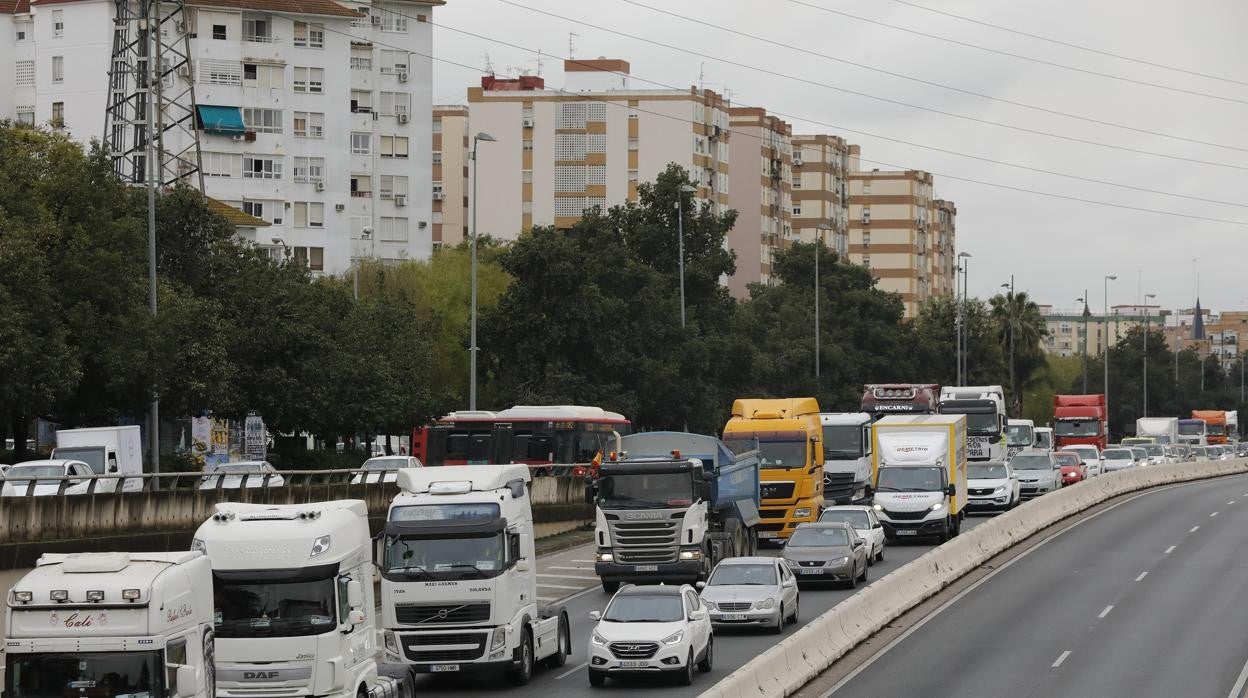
{"x": 751, "y": 591}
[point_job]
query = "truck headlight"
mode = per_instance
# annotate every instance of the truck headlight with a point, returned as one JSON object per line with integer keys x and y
{"x": 674, "y": 638}
{"x": 198, "y": 545}
{"x": 500, "y": 638}
{"x": 691, "y": 554}
{"x": 878, "y": 507}
{"x": 598, "y": 639}
{"x": 938, "y": 506}
{"x": 765, "y": 604}
{"x": 801, "y": 513}
{"x": 605, "y": 557}
{"x": 392, "y": 645}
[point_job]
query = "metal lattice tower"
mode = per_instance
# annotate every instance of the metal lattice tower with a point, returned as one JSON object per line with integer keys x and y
{"x": 151, "y": 94}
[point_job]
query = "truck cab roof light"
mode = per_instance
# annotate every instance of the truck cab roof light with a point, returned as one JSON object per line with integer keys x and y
{"x": 130, "y": 594}
{"x": 450, "y": 487}
{"x": 223, "y": 516}
{"x": 23, "y": 596}
{"x": 95, "y": 595}
{"x": 309, "y": 515}
{"x": 59, "y": 595}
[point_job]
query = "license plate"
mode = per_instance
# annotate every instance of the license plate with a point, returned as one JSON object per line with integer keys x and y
{"x": 732, "y": 616}
{"x": 905, "y": 532}
{"x": 645, "y": 568}
{"x": 634, "y": 664}
{"x": 812, "y": 570}
{"x": 438, "y": 668}
{"x": 768, "y": 534}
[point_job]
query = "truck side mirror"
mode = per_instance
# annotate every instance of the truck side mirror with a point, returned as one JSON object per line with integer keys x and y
{"x": 951, "y": 490}
{"x": 112, "y": 463}
{"x": 355, "y": 594}
{"x": 186, "y": 678}
{"x": 522, "y": 565}
{"x": 355, "y": 617}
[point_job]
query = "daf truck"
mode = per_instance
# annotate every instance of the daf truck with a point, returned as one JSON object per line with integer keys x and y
{"x": 108, "y": 450}
{"x": 670, "y": 507}
{"x": 111, "y": 625}
{"x": 459, "y": 576}
{"x": 789, "y": 439}
{"x": 920, "y": 475}
{"x": 984, "y": 407}
{"x": 1162, "y": 430}
{"x": 846, "y": 457}
{"x": 293, "y": 601}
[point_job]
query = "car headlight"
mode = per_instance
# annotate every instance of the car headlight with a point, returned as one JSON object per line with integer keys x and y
{"x": 878, "y": 507}
{"x": 938, "y": 506}
{"x": 710, "y": 605}
{"x": 598, "y": 639}
{"x": 801, "y": 513}
{"x": 840, "y": 561}
{"x": 1000, "y": 490}
{"x": 765, "y": 604}
{"x": 674, "y": 638}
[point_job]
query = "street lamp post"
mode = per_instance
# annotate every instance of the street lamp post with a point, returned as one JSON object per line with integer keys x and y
{"x": 472, "y": 349}
{"x": 1147, "y": 296}
{"x": 1086, "y": 314}
{"x": 366, "y": 233}
{"x": 1108, "y": 278}
{"x": 1013, "y": 321}
{"x": 964, "y": 332}
{"x": 680, "y": 243}
{"x": 822, "y": 228}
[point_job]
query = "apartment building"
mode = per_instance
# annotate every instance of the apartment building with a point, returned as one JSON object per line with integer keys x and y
{"x": 305, "y": 109}
{"x": 821, "y": 167}
{"x": 451, "y": 142}
{"x": 1066, "y": 326}
{"x": 558, "y": 152}
{"x": 942, "y": 234}
{"x": 762, "y": 145}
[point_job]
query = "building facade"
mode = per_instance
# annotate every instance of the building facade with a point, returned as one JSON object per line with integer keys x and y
{"x": 451, "y": 143}
{"x": 1066, "y": 326}
{"x": 821, "y": 167}
{"x": 305, "y": 107}
{"x": 761, "y": 144}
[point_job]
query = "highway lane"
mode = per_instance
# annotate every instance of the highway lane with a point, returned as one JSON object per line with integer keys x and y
{"x": 1144, "y": 600}
{"x": 733, "y": 648}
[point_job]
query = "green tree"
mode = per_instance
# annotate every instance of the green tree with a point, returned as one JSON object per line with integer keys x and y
{"x": 1020, "y": 328}
{"x": 935, "y": 343}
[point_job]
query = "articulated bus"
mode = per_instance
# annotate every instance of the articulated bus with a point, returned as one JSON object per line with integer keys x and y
{"x": 538, "y": 436}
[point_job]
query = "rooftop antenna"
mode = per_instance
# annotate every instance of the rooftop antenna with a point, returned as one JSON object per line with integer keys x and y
{"x": 539, "y": 62}
{"x": 489, "y": 65}
{"x": 701, "y": 75}
{"x": 572, "y": 37}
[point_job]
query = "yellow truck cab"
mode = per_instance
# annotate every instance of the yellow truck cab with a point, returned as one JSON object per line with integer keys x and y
{"x": 789, "y": 438}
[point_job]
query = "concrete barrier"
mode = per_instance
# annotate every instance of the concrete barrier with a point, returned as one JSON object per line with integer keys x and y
{"x": 789, "y": 665}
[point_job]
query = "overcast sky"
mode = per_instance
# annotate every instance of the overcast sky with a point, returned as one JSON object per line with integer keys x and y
{"x": 1054, "y": 248}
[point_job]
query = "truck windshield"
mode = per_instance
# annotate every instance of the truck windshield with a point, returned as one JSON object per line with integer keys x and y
{"x": 94, "y": 674}
{"x": 1019, "y": 435}
{"x": 91, "y": 455}
{"x": 1044, "y": 440}
{"x": 1216, "y": 430}
{"x": 1077, "y": 428}
{"x": 445, "y": 557}
{"x": 646, "y": 490}
{"x": 782, "y": 454}
{"x": 842, "y": 441}
{"x": 271, "y": 607}
{"x": 977, "y": 424}
{"x": 1191, "y": 428}
{"x": 895, "y": 478}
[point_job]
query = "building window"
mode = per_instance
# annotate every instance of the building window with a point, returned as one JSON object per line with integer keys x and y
{"x": 309, "y": 214}
{"x": 393, "y": 229}
{"x": 218, "y": 32}
{"x": 797, "y": 209}
{"x": 309, "y": 169}
{"x": 361, "y": 143}
{"x": 393, "y": 146}
{"x": 26, "y": 115}
{"x": 437, "y": 125}
{"x": 263, "y": 75}
{"x": 393, "y": 21}
{"x": 310, "y": 80}
{"x": 526, "y": 176}
{"x": 216, "y": 72}
{"x": 395, "y": 103}
{"x": 311, "y": 257}
{"x": 361, "y": 186}
{"x": 526, "y": 145}
{"x": 437, "y": 157}
{"x": 261, "y": 167}
{"x": 220, "y": 164}
{"x": 393, "y": 185}
{"x": 58, "y": 114}
{"x": 393, "y": 62}
{"x": 58, "y": 23}
{"x": 58, "y": 69}
{"x": 257, "y": 29}
{"x": 309, "y": 124}
{"x": 309, "y": 35}
{"x": 437, "y": 189}
{"x": 254, "y": 208}
{"x": 361, "y": 58}
{"x": 25, "y": 73}
{"x": 361, "y": 101}
{"x": 262, "y": 120}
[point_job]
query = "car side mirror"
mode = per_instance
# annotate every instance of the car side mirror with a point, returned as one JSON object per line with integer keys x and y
{"x": 591, "y": 492}
{"x": 186, "y": 678}
{"x": 698, "y": 615}
{"x": 878, "y": 525}
{"x": 522, "y": 565}
{"x": 857, "y": 544}
{"x": 112, "y": 464}
{"x": 700, "y": 585}
{"x": 595, "y": 615}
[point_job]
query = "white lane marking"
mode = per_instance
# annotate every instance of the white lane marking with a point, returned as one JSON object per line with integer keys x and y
{"x": 544, "y": 585}
{"x": 1169, "y": 550}
{"x": 565, "y": 576}
{"x": 1102, "y": 615}
{"x": 1063, "y": 657}
{"x": 1142, "y": 575}
{"x": 1238, "y": 689}
{"x": 1231, "y": 502}
{"x": 1213, "y": 514}
{"x": 1194, "y": 529}
{"x": 573, "y": 569}
{"x": 983, "y": 580}
{"x": 572, "y": 671}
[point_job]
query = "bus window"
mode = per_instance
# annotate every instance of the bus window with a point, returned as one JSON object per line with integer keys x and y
{"x": 588, "y": 446}
{"x": 529, "y": 446}
{"x": 565, "y": 446}
{"x": 468, "y": 446}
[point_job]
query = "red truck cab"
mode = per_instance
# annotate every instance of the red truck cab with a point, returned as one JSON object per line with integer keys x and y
{"x": 881, "y": 399}
{"x": 1080, "y": 419}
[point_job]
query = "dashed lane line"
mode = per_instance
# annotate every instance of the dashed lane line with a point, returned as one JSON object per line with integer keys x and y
{"x": 544, "y": 585}
{"x": 1142, "y": 575}
{"x": 1170, "y": 550}
{"x": 1063, "y": 657}
{"x": 1102, "y": 615}
{"x": 1194, "y": 529}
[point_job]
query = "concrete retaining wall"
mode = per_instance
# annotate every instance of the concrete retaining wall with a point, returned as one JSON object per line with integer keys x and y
{"x": 783, "y": 669}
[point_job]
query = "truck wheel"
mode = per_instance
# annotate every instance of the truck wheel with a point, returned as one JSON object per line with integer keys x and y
{"x": 521, "y": 675}
{"x": 560, "y": 657}
{"x": 610, "y": 587}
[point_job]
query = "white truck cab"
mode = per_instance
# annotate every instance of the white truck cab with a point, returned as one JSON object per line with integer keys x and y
{"x": 846, "y": 457}
{"x": 111, "y": 624}
{"x": 459, "y": 583}
{"x": 1020, "y": 434}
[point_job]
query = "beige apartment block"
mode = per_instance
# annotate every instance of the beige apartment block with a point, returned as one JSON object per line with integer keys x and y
{"x": 450, "y": 174}
{"x": 760, "y": 145}
{"x": 942, "y": 234}
{"x": 559, "y": 152}
{"x": 821, "y": 167}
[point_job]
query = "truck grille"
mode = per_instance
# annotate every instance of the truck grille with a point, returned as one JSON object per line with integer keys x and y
{"x": 645, "y": 542}
{"x": 440, "y": 614}
{"x": 734, "y": 606}
{"x": 776, "y": 490}
{"x": 772, "y": 513}
{"x": 838, "y": 485}
{"x": 457, "y": 647}
{"x": 905, "y": 515}
{"x": 771, "y": 526}
{"x": 634, "y": 650}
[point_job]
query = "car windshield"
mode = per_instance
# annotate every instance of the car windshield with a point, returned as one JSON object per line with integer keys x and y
{"x": 761, "y": 574}
{"x": 782, "y": 454}
{"x": 1084, "y": 453}
{"x": 444, "y": 557}
{"x": 384, "y": 463}
{"x": 94, "y": 674}
{"x": 985, "y": 471}
{"x": 842, "y": 441}
{"x": 1076, "y": 427}
{"x": 1118, "y": 454}
{"x": 910, "y": 479}
{"x": 1019, "y": 435}
{"x": 1026, "y": 461}
{"x": 26, "y": 472}
{"x": 854, "y": 517}
{"x": 1155, "y": 450}
{"x": 1067, "y": 459}
{"x": 645, "y": 490}
{"x": 811, "y": 537}
{"x": 645, "y": 608}
{"x": 282, "y": 604}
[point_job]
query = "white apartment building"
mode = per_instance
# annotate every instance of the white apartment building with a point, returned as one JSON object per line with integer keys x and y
{"x": 559, "y": 152}
{"x": 314, "y": 113}
{"x": 760, "y": 145}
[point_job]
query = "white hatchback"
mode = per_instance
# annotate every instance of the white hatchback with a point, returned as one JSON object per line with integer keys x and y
{"x": 651, "y": 630}
{"x": 1089, "y": 454}
{"x": 865, "y": 523}
{"x": 1118, "y": 459}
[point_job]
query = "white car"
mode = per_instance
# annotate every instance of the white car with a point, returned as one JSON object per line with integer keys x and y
{"x": 1118, "y": 459}
{"x": 231, "y": 476}
{"x": 17, "y": 478}
{"x": 865, "y": 523}
{"x": 1090, "y": 455}
{"x": 649, "y": 630}
{"x": 384, "y": 469}
{"x": 755, "y": 591}
{"x": 991, "y": 485}
{"x": 1038, "y": 472}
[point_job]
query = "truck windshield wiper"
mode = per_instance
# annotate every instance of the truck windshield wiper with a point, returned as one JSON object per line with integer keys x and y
{"x": 412, "y": 571}
{"x": 463, "y": 565}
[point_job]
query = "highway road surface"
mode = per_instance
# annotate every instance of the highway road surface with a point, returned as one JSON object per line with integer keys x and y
{"x": 571, "y": 571}
{"x": 1149, "y": 598}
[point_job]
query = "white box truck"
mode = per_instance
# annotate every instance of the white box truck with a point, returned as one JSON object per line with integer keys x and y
{"x": 111, "y": 625}
{"x": 293, "y": 601}
{"x": 108, "y": 450}
{"x": 1162, "y": 430}
{"x": 920, "y": 474}
{"x": 459, "y": 579}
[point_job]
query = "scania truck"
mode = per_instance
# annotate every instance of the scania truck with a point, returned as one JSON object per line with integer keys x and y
{"x": 111, "y": 625}
{"x": 984, "y": 407}
{"x": 846, "y": 457}
{"x": 789, "y": 438}
{"x": 920, "y": 475}
{"x": 293, "y": 601}
{"x": 459, "y": 576}
{"x": 879, "y": 399}
{"x": 670, "y": 507}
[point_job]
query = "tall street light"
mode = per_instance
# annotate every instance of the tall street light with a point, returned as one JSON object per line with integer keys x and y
{"x": 964, "y": 332}
{"x": 366, "y": 233}
{"x": 1105, "y": 355}
{"x": 1147, "y": 296}
{"x": 1010, "y": 316}
{"x": 472, "y": 349}
{"x": 680, "y": 243}
{"x": 1086, "y": 314}
{"x": 822, "y": 228}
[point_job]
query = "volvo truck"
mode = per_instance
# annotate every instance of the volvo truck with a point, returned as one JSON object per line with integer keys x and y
{"x": 789, "y": 439}
{"x": 459, "y": 576}
{"x": 111, "y": 625}
{"x": 846, "y": 457}
{"x": 670, "y": 506}
{"x": 984, "y": 407}
{"x": 920, "y": 475}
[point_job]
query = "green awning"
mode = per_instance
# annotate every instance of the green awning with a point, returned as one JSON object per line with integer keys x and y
{"x": 215, "y": 119}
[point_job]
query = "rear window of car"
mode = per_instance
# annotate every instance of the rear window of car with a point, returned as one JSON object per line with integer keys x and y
{"x": 1119, "y": 454}
{"x": 1068, "y": 459}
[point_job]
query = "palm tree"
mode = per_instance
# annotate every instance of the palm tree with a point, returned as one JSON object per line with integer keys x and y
{"x": 1021, "y": 326}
